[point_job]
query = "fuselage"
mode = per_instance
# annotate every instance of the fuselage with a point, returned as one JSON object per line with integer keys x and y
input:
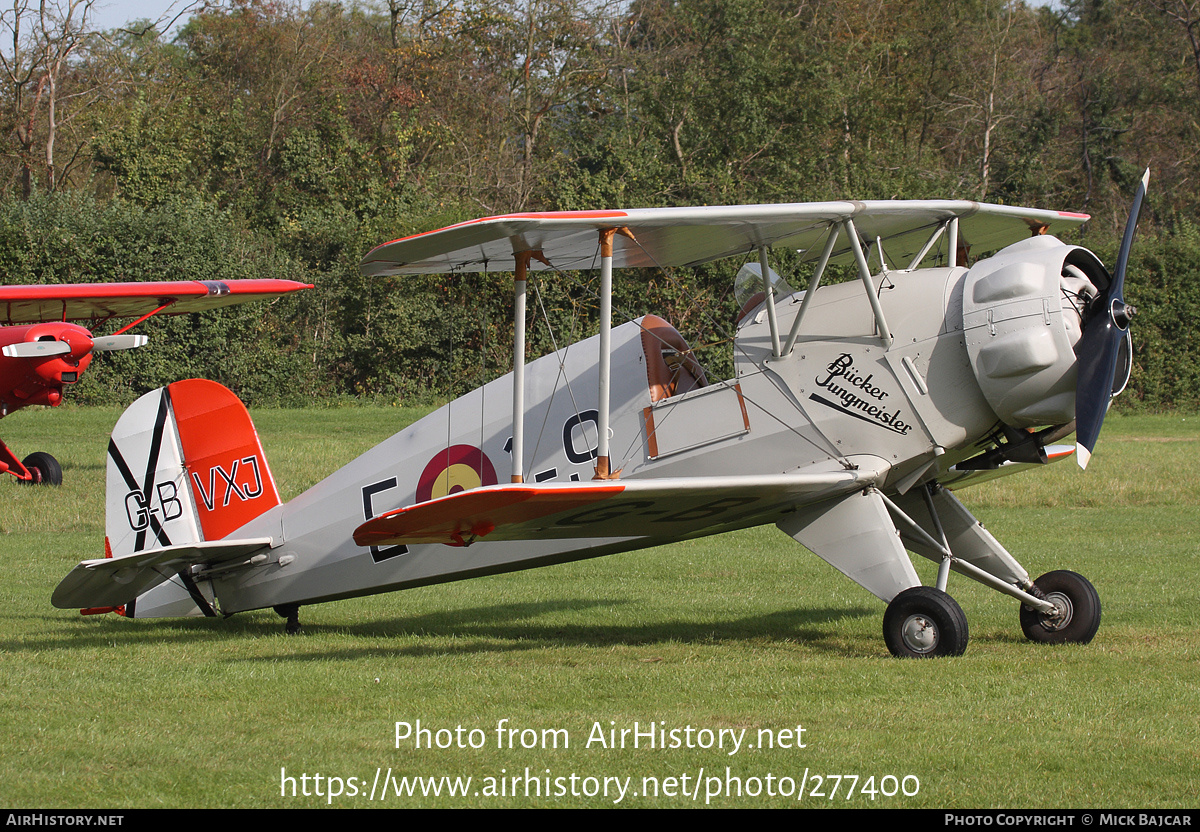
{"x": 837, "y": 397}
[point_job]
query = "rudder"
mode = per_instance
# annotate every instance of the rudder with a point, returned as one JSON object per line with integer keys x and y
{"x": 185, "y": 466}
{"x": 231, "y": 483}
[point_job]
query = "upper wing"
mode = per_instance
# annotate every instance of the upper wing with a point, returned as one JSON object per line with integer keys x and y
{"x": 92, "y": 301}
{"x": 688, "y": 236}
{"x": 630, "y": 508}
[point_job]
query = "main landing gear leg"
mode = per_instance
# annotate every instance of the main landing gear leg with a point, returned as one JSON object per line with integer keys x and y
{"x": 1058, "y": 608}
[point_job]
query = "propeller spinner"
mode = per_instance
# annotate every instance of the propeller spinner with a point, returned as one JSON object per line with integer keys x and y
{"x": 1105, "y": 346}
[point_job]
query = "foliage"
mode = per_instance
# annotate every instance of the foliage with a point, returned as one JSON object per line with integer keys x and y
{"x": 1166, "y": 330}
{"x": 265, "y": 353}
{"x": 274, "y": 137}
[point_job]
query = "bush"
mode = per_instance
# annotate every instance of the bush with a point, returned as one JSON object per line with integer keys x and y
{"x": 263, "y": 351}
{"x": 1164, "y": 284}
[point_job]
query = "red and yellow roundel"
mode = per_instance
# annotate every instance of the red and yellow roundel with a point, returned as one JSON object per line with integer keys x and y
{"x": 458, "y": 468}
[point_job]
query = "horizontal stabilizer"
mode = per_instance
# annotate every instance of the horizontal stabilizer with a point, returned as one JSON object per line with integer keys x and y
{"x": 111, "y": 582}
{"x": 36, "y": 349}
{"x": 624, "y": 509}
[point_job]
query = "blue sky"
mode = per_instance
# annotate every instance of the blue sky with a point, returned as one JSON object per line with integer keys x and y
{"x": 111, "y": 14}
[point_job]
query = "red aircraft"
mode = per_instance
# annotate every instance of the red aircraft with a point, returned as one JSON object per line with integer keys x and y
{"x": 40, "y": 351}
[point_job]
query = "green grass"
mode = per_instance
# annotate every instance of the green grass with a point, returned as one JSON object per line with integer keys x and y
{"x": 743, "y": 631}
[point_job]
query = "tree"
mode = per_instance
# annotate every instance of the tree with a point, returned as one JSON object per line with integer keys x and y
{"x": 42, "y": 93}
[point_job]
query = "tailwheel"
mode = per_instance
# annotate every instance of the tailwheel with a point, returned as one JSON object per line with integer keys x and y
{"x": 1078, "y": 616}
{"x": 924, "y": 622}
{"x": 44, "y": 468}
{"x": 292, "y": 613}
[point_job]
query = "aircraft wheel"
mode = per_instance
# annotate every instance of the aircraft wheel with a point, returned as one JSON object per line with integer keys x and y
{"x": 924, "y": 622}
{"x": 45, "y": 469}
{"x": 292, "y": 613}
{"x": 1080, "y": 603}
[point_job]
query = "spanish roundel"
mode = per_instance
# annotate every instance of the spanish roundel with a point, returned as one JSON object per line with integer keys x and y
{"x": 457, "y": 468}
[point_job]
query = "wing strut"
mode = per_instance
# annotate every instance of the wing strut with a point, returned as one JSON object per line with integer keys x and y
{"x": 765, "y": 271}
{"x": 603, "y": 463}
{"x": 830, "y": 241}
{"x": 128, "y": 327}
{"x": 933, "y": 238}
{"x": 603, "y": 457}
{"x": 518, "y": 419}
{"x": 864, "y": 271}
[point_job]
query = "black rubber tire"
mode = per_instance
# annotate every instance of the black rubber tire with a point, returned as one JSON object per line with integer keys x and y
{"x": 292, "y": 613}
{"x": 1082, "y": 618}
{"x": 925, "y": 623}
{"x": 45, "y": 469}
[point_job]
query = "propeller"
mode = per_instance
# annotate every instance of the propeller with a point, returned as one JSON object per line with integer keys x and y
{"x": 1105, "y": 346}
{"x": 112, "y": 343}
{"x": 46, "y": 349}
{"x": 36, "y": 349}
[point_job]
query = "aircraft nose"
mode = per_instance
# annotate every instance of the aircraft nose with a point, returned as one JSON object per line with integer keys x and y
{"x": 78, "y": 339}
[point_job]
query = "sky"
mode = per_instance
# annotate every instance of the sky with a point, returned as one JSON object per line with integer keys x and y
{"x": 112, "y": 14}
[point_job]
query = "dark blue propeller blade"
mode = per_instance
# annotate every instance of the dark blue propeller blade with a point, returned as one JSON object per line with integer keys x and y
{"x": 1105, "y": 338}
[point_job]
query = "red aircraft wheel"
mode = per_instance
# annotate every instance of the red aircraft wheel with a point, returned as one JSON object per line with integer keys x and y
{"x": 45, "y": 469}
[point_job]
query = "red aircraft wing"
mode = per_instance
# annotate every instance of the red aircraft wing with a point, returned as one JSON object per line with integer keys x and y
{"x": 100, "y": 301}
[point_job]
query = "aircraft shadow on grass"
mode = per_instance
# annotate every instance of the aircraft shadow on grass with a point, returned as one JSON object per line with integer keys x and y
{"x": 495, "y": 628}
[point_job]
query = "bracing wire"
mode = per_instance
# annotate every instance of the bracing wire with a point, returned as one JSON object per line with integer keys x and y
{"x": 562, "y": 368}
{"x": 829, "y": 448}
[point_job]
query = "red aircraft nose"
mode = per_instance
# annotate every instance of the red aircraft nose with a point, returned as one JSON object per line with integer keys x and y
{"x": 65, "y": 368}
{"x": 31, "y": 376}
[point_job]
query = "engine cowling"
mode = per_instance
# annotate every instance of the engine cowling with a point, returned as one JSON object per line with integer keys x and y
{"x": 1024, "y": 311}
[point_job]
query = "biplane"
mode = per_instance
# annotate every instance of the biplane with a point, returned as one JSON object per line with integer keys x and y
{"x": 856, "y": 411}
{"x": 41, "y": 351}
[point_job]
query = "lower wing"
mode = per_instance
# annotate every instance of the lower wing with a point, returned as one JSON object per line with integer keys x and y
{"x": 663, "y": 508}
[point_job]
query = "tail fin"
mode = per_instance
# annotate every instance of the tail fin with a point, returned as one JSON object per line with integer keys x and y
{"x": 185, "y": 465}
{"x": 185, "y": 471}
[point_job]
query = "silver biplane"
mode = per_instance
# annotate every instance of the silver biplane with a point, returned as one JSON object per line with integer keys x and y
{"x": 855, "y": 412}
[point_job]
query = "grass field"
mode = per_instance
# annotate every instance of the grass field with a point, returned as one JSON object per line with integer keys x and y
{"x": 744, "y": 632}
